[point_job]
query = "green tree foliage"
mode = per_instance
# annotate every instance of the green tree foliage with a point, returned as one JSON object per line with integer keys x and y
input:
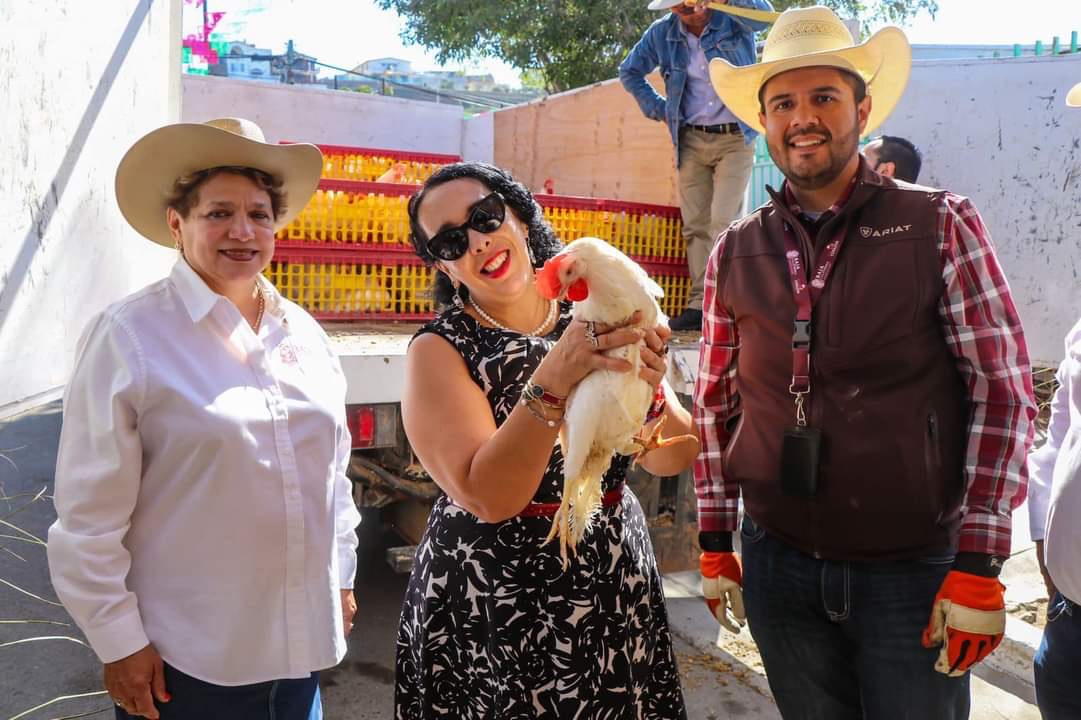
{"x": 570, "y": 43}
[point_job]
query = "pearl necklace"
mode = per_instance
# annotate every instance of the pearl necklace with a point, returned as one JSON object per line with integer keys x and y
{"x": 552, "y": 307}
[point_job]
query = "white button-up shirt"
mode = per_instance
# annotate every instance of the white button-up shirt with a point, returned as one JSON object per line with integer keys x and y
{"x": 1054, "y": 478}
{"x": 201, "y": 492}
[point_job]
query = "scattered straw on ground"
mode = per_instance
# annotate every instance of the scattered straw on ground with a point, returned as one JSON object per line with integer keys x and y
{"x": 699, "y": 667}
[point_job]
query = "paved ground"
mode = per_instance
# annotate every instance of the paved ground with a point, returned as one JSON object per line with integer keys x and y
{"x": 721, "y": 679}
{"x": 34, "y": 672}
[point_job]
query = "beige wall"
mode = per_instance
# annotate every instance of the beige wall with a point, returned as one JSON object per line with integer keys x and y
{"x": 593, "y": 141}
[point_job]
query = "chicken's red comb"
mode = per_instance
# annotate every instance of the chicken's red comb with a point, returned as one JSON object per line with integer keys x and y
{"x": 549, "y": 285}
{"x": 548, "y": 278}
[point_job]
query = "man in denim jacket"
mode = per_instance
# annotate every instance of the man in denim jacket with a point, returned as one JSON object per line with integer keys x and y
{"x": 714, "y": 150}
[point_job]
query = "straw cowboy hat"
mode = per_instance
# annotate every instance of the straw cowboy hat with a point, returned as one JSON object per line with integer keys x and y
{"x": 664, "y": 4}
{"x": 814, "y": 37}
{"x": 148, "y": 171}
{"x": 1073, "y": 98}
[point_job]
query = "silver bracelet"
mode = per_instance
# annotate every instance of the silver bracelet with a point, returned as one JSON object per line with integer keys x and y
{"x": 528, "y": 405}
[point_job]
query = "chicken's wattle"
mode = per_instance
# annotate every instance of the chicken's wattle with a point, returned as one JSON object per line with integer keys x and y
{"x": 578, "y": 291}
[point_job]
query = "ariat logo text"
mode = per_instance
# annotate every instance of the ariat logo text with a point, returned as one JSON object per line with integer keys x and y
{"x": 883, "y": 232}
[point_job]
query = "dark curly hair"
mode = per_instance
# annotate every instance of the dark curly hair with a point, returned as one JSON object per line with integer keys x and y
{"x": 541, "y": 239}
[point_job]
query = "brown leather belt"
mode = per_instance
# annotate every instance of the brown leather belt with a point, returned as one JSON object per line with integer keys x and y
{"x": 610, "y": 498}
{"x": 722, "y": 129}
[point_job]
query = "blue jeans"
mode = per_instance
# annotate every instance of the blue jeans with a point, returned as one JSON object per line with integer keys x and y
{"x": 842, "y": 640}
{"x": 194, "y": 699}
{"x": 1058, "y": 692}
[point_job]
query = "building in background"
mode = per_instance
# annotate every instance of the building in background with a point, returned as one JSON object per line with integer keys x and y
{"x": 244, "y": 61}
{"x": 241, "y": 60}
{"x": 386, "y": 66}
{"x": 295, "y": 68}
{"x": 396, "y": 77}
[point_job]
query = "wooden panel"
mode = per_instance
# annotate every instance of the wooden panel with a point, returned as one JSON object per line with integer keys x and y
{"x": 593, "y": 141}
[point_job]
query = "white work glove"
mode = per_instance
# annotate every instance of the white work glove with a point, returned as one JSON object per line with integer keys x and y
{"x": 722, "y": 587}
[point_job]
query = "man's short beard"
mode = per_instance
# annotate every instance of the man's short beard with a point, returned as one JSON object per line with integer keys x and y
{"x": 829, "y": 173}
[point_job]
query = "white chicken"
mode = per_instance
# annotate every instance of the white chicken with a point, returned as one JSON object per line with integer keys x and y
{"x": 606, "y": 410}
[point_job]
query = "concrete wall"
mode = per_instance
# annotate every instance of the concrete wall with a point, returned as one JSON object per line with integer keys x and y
{"x": 478, "y": 138}
{"x": 79, "y": 85}
{"x": 999, "y": 132}
{"x": 332, "y": 117}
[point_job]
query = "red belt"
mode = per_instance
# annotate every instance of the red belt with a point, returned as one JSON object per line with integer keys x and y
{"x": 612, "y": 497}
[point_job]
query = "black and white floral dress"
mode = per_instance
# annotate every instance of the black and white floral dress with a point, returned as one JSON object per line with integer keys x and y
{"x": 494, "y": 627}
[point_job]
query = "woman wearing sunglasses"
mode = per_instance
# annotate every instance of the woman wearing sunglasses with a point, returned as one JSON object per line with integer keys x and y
{"x": 492, "y": 625}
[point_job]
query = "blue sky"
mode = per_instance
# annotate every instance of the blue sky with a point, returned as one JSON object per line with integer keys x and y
{"x": 348, "y": 33}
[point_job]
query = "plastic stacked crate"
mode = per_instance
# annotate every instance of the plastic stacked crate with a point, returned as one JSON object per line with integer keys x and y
{"x": 651, "y": 234}
{"x": 347, "y": 255}
{"x": 342, "y": 162}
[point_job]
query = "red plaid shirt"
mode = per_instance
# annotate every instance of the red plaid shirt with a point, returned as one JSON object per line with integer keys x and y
{"x": 982, "y": 330}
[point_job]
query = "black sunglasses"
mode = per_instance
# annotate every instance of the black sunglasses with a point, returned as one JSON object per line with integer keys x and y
{"x": 485, "y": 216}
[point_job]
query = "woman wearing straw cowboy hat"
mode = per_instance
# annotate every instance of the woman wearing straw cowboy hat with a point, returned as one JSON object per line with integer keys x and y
{"x": 205, "y": 536}
{"x": 1054, "y": 505}
{"x": 877, "y": 419}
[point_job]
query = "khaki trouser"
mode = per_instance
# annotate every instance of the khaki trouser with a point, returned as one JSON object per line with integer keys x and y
{"x": 713, "y": 174}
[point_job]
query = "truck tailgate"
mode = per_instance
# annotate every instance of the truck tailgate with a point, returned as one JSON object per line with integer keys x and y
{"x": 373, "y": 359}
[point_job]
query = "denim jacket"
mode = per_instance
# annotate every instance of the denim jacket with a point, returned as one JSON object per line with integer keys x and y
{"x": 663, "y": 45}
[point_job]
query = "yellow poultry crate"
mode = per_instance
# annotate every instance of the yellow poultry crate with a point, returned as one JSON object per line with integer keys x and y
{"x": 343, "y": 162}
{"x": 336, "y": 285}
{"x": 366, "y": 213}
{"x": 353, "y": 213}
{"x": 647, "y": 233}
{"x": 676, "y": 284}
{"x": 347, "y": 255}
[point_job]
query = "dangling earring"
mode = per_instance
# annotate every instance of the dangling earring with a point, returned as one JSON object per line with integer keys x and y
{"x": 179, "y": 247}
{"x": 532, "y": 257}
{"x": 457, "y": 299}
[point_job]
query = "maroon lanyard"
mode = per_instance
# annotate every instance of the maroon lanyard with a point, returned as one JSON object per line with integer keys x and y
{"x": 806, "y": 294}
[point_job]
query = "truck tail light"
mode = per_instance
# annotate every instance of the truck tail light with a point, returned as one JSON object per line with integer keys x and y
{"x": 372, "y": 426}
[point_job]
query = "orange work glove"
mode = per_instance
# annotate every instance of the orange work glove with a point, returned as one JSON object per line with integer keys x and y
{"x": 968, "y": 619}
{"x": 722, "y": 586}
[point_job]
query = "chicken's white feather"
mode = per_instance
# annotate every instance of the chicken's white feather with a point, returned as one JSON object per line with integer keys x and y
{"x": 606, "y": 409}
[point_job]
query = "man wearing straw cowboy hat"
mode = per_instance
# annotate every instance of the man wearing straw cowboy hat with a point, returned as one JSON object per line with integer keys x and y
{"x": 713, "y": 147}
{"x": 1054, "y": 506}
{"x": 864, "y": 383}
